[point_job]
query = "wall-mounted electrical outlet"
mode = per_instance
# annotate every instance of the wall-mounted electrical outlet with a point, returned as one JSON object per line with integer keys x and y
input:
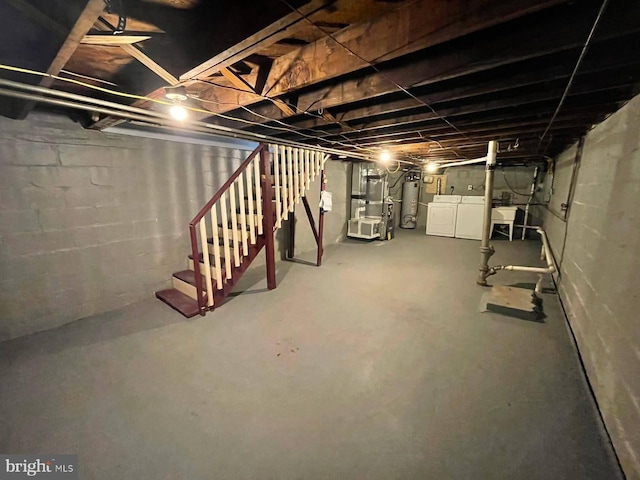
{"x": 469, "y": 187}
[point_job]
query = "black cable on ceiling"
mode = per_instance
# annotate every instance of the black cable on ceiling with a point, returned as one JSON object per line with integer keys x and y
{"x": 288, "y": 128}
{"x": 377, "y": 70}
{"x": 583, "y": 53}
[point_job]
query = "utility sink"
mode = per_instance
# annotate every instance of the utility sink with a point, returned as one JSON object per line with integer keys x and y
{"x": 503, "y": 214}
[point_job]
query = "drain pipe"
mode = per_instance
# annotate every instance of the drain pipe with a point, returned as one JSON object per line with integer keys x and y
{"x": 526, "y": 210}
{"x": 487, "y": 250}
{"x": 541, "y": 271}
{"x": 462, "y": 162}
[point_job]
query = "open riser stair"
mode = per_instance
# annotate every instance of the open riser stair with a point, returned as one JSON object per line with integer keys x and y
{"x": 239, "y": 220}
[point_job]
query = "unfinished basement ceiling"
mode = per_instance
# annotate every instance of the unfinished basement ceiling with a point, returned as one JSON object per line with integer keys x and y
{"x": 426, "y": 79}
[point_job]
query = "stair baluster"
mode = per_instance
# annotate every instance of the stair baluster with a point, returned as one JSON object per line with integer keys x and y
{"x": 256, "y": 173}
{"x": 220, "y": 256}
{"x": 216, "y": 247}
{"x": 285, "y": 189}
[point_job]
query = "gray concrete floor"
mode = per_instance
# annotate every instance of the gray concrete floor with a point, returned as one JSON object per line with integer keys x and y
{"x": 377, "y": 365}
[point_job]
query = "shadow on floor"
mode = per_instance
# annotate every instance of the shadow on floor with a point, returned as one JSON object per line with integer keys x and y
{"x": 138, "y": 317}
{"x": 514, "y": 301}
{"x": 302, "y": 262}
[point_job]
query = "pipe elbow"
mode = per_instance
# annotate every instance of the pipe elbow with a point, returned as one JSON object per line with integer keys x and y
{"x": 494, "y": 270}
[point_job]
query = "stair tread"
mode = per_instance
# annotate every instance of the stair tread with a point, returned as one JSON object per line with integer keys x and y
{"x": 189, "y": 276}
{"x": 201, "y": 258}
{"x": 220, "y": 242}
{"x": 179, "y": 301}
{"x": 239, "y": 226}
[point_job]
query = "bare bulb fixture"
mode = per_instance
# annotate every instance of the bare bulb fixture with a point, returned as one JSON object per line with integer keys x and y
{"x": 385, "y": 156}
{"x": 178, "y": 112}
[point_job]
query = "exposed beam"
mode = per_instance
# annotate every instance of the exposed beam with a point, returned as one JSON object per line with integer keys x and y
{"x": 267, "y": 36}
{"x": 151, "y": 64}
{"x": 563, "y": 29}
{"x": 522, "y": 102}
{"x": 240, "y": 83}
{"x": 610, "y": 57}
{"x": 329, "y": 117}
{"x": 417, "y": 26}
{"x": 500, "y": 120}
{"x": 83, "y": 24}
{"x": 582, "y": 97}
{"x": 139, "y": 55}
{"x": 440, "y": 134}
{"x": 148, "y": 62}
{"x": 236, "y": 80}
{"x": 284, "y": 108}
{"x": 96, "y": 39}
{"x": 480, "y": 139}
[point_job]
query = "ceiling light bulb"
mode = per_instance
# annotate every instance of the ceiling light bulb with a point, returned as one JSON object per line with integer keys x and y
{"x": 432, "y": 167}
{"x": 178, "y": 112}
{"x": 385, "y": 156}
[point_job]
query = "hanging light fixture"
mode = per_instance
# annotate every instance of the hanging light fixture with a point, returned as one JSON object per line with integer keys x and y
{"x": 178, "y": 112}
{"x": 177, "y": 95}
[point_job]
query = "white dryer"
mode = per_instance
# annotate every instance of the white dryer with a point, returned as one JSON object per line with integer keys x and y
{"x": 442, "y": 214}
{"x": 470, "y": 217}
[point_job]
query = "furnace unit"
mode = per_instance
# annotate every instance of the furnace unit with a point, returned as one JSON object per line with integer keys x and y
{"x": 370, "y": 210}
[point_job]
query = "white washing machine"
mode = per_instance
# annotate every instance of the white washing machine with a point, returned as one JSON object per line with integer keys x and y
{"x": 470, "y": 217}
{"x": 442, "y": 214}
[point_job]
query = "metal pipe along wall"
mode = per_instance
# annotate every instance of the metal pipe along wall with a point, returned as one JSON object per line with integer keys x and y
{"x": 485, "y": 249}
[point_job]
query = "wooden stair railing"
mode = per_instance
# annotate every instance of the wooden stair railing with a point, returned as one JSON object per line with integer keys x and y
{"x": 240, "y": 219}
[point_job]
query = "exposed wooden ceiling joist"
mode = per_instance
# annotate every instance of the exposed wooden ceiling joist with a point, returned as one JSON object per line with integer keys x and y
{"x": 271, "y": 34}
{"x": 564, "y": 29}
{"x": 139, "y": 55}
{"x": 517, "y": 99}
{"x": 96, "y": 39}
{"x": 609, "y": 57}
{"x": 448, "y": 74}
{"x": 87, "y": 17}
{"x": 418, "y": 26}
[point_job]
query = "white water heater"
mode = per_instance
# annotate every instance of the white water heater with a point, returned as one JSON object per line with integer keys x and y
{"x": 409, "y": 213}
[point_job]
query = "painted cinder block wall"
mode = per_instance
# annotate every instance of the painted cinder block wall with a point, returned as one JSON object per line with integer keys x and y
{"x": 599, "y": 278}
{"x": 90, "y": 222}
{"x": 517, "y": 178}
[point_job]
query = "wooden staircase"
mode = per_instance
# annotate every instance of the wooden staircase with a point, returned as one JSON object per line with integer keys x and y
{"x": 241, "y": 219}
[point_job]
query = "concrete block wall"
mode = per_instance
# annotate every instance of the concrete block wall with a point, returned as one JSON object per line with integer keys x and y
{"x": 599, "y": 277}
{"x": 335, "y": 222}
{"x": 518, "y": 178}
{"x": 90, "y": 222}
